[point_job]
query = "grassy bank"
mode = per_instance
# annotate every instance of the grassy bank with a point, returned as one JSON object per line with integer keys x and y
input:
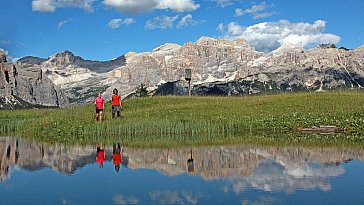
{"x": 182, "y": 121}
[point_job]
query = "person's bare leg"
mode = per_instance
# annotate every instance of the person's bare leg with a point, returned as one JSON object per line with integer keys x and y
{"x": 100, "y": 116}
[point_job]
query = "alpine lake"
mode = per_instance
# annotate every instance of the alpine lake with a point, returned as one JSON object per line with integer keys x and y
{"x": 38, "y": 173}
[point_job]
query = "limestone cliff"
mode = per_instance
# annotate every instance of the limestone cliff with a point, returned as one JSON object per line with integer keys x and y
{"x": 27, "y": 87}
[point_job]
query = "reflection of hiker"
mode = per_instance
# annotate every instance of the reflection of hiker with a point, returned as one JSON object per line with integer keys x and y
{"x": 100, "y": 155}
{"x": 8, "y": 151}
{"x": 99, "y": 103}
{"x": 117, "y": 156}
{"x": 125, "y": 160}
{"x": 190, "y": 165}
{"x": 16, "y": 152}
{"x": 116, "y": 104}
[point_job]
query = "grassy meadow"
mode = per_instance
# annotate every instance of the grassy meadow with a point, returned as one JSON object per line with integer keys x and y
{"x": 196, "y": 121}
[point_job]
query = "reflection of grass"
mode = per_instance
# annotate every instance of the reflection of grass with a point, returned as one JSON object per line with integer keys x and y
{"x": 179, "y": 121}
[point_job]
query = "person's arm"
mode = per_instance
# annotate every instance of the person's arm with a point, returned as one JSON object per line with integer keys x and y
{"x": 121, "y": 105}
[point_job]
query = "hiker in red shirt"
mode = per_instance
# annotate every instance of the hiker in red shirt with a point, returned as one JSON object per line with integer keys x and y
{"x": 99, "y": 103}
{"x": 117, "y": 156}
{"x": 116, "y": 104}
{"x": 100, "y": 155}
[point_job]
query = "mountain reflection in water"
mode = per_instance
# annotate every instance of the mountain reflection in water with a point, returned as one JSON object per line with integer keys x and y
{"x": 264, "y": 168}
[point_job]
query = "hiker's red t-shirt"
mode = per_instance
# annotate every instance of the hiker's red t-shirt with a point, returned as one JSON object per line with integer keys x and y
{"x": 115, "y": 100}
{"x": 99, "y": 102}
{"x": 100, "y": 157}
{"x": 116, "y": 159}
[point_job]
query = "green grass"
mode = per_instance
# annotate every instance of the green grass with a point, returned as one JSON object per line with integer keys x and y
{"x": 187, "y": 121}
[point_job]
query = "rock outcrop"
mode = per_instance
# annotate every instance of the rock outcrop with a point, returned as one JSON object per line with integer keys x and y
{"x": 27, "y": 87}
{"x": 8, "y": 83}
{"x": 8, "y": 74}
{"x": 34, "y": 87}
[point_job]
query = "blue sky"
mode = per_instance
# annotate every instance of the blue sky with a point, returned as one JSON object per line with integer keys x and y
{"x": 106, "y": 29}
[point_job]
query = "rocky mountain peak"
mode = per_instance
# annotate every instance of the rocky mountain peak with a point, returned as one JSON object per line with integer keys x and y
{"x": 31, "y": 60}
{"x": 66, "y": 52}
{"x": 63, "y": 58}
{"x": 359, "y": 49}
{"x": 205, "y": 40}
{"x": 326, "y": 46}
{"x": 208, "y": 41}
{"x": 288, "y": 48}
{"x": 130, "y": 55}
{"x": 166, "y": 48}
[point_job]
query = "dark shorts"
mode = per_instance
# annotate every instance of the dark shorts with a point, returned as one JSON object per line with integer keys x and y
{"x": 99, "y": 110}
{"x": 115, "y": 108}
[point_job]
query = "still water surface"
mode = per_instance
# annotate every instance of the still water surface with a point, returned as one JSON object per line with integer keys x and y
{"x": 35, "y": 173}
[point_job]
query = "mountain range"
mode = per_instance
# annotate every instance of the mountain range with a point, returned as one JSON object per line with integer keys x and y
{"x": 219, "y": 67}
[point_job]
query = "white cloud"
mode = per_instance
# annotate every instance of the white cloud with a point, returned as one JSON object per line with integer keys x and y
{"x": 4, "y": 51}
{"x": 238, "y": 12}
{"x": 192, "y": 197}
{"x": 139, "y": 6}
{"x": 161, "y": 22}
{"x": 128, "y": 21}
{"x": 223, "y": 3}
{"x": 177, "y": 5}
{"x": 62, "y": 23}
{"x": 131, "y": 7}
{"x": 256, "y": 11}
{"x": 124, "y": 6}
{"x": 274, "y": 177}
{"x": 164, "y": 22}
{"x": 221, "y": 28}
{"x": 235, "y": 29}
{"x": 51, "y": 5}
{"x": 121, "y": 199}
{"x": 255, "y": 8}
{"x": 263, "y": 15}
{"x": 268, "y": 36}
{"x": 166, "y": 197}
{"x": 188, "y": 20}
{"x": 4, "y": 42}
{"x": 43, "y": 5}
{"x": 115, "y": 23}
